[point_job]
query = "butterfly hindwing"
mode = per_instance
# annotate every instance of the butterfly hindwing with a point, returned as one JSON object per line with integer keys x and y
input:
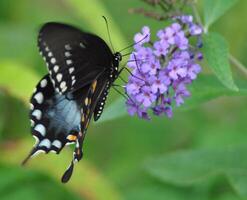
{"x": 55, "y": 119}
{"x": 74, "y": 58}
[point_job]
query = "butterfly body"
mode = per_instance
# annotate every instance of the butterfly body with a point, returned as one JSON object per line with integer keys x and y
{"x": 82, "y": 68}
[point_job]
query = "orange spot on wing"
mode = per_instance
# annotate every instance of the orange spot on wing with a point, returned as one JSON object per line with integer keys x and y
{"x": 71, "y": 137}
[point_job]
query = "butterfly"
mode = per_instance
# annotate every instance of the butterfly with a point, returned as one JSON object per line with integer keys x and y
{"x": 82, "y": 68}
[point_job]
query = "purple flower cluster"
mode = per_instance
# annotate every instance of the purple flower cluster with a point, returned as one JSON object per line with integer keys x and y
{"x": 161, "y": 70}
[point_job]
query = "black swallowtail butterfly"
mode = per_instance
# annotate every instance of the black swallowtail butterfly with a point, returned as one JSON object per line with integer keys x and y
{"x": 82, "y": 68}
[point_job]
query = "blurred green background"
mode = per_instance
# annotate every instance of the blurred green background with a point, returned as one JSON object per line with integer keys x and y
{"x": 201, "y": 149}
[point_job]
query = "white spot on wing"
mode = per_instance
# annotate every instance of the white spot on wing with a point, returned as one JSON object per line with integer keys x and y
{"x": 45, "y": 143}
{"x": 64, "y": 89}
{"x": 57, "y": 144}
{"x": 50, "y": 54}
{"x": 53, "y": 60}
{"x": 39, "y": 97}
{"x": 67, "y": 54}
{"x": 63, "y": 85}
{"x": 37, "y": 114}
{"x": 59, "y": 77}
{"x": 56, "y": 68}
{"x": 41, "y": 129}
{"x": 71, "y": 70}
{"x": 46, "y": 48}
{"x": 82, "y": 45}
{"x": 67, "y": 47}
{"x": 43, "y": 83}
{"x": 69, "y": 62}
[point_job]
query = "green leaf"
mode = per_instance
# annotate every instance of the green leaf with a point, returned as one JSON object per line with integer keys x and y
{"x": 216, "y": 54}
{"x": 17, "y": 80}
{"x": 192, "y": 167}
{"x": 214, "y": 9}
{"x": 208, "y": 87}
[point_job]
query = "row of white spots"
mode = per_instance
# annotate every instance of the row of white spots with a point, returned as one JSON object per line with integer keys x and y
{"x": 103, "y": 100}
{"x": 47, "y": 143}
{"x": 69, "y": 62}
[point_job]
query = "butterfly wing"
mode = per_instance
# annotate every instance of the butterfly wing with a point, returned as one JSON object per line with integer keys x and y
{"x": 55, "y": 119}
{"x": 74, "y": 58}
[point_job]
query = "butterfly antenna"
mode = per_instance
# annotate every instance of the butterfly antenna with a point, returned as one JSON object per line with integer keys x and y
{"x": 119, "y": 92}
{"x": 108, "y": 32}
{"x": 127, "y": 54}
{"x": 134, "y": 43}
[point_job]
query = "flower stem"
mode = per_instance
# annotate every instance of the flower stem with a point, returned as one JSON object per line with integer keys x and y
{"x": 238, "y": 64}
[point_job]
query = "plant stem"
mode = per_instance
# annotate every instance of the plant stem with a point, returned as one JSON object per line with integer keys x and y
{"x": 238, "y": 64}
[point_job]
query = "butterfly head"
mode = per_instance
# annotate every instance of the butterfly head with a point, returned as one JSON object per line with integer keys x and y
{"x": 117, "y": 57}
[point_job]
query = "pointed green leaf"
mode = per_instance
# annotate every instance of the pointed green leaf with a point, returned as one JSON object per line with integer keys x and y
{"x": 216, "y": 54}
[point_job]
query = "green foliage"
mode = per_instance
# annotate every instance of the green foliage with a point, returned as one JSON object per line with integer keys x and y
{"x": 214, "y": 9}
{"x": 193, "y": 167}
{"x": 17, "y": 79}
{"x": 216, "y": 54}
{"x": 34, "y": 185}
{"x": 116, "y": 149}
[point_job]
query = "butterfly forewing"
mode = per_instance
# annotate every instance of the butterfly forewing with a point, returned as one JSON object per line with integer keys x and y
{"x": 74, "y": 58}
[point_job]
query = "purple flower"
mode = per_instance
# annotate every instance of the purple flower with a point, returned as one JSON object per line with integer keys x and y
{"x": 133, "y": 109}
{"x": 176, "y": 69}
{"x": 161, "y": 48}
{"x": 146, "y": 97}
{"x": 193, "y": 70}
{"x": 180, "y": 93}
{"x": 143, "y": 37}
{"x": 151, "y": 67}
{"x": 162, "y": 71}
{"x": 181, "y": 41}
{"x": 158, "y": 84}
{"x": 195, "y": 29}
